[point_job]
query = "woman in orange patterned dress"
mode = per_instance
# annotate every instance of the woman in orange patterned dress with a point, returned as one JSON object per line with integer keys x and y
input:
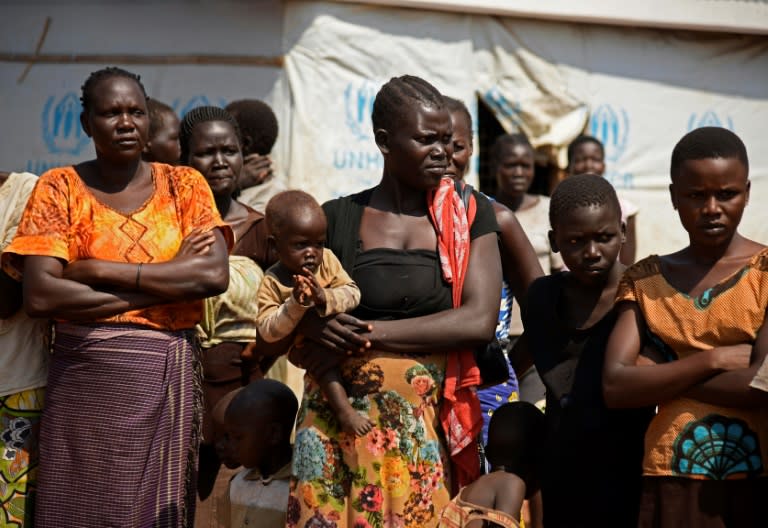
{"x": 119, "y": 252}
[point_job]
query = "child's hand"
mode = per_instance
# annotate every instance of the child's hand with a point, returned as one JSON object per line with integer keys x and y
{"x": 315, "y": 291}
{"x": 301, "y": 290}
{"x": 196, "y": 243}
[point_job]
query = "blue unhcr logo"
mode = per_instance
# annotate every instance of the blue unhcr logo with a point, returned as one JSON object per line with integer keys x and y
{"x": 709, "y": 118}
{"x": 195, "y": 101}
{"x": 358, "y": 107}
{"x": 62, "y": 132}
{"x": 612, "y": 128}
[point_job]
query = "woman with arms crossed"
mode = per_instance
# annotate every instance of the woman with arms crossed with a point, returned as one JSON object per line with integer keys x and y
{"x": 119, "y": 253}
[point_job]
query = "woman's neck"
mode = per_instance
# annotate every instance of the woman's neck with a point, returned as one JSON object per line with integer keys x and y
{"x": 112, "y": 176}
{"x": 513, "y": 201}
{"x": 224, "y": 205}
{"x": 391, "y": 195}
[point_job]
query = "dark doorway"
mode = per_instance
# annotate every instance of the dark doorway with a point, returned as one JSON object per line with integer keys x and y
{"x": 488, "y": 129}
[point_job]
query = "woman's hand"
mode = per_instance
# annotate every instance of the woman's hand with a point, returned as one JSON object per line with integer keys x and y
{"x": 341, "y": 334}
{"x": 196, "y": 243}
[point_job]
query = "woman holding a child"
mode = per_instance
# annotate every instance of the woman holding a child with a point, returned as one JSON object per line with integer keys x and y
{"x": 428, "y": 269}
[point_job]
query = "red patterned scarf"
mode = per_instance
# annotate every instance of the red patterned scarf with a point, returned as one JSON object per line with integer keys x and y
{"x": 460, "y": 413}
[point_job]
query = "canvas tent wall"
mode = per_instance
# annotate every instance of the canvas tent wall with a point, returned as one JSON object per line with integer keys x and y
{"x": 639, "y": 90}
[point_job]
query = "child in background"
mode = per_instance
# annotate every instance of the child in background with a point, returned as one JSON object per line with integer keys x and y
{"x": 258, "y": 127}
{"x": 259, "y": 421}
{"x": 706, "y": 451}
{"x": 592, "y": 473}
{"x": 306, "y": 276}
{"x": 515, "y": 450}
{"x": 587, "y": 155}
{"x": 163, "y": 145}
{"x": 513, "y": 164}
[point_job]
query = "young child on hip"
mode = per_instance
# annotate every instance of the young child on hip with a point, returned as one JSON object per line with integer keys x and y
{"x": 592, "y": 471}
{"x": 515, "y": 450}
{"x": 706, "y": 451}
{"x": 258, "y": 423}
{"x": 306, "y": 276}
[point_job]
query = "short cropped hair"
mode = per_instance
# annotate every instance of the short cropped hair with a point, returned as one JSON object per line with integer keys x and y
{"x": 516, "y": 439}
{"x": 202, "y": 114}
{"x": 583, "y": 140}
{"x": 268, "y": 395}
{"x": 86, "y": 98}
{"x": 396, "y": 98}
{"x": 707, "y": 143}
{"x": 258, "y": 125}
{"x": 502, "y": 143}
{"x": 581, "y": 190}
{"x": 285, "y": 206}
{"x": 458, "y": 106}
{"x": 157, "y": 110}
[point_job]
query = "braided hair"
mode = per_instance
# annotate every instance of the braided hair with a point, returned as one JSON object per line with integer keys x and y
{"x": 101, "y": 75}
{"x": 395, "y": 99}
{"x": 708, "y": 142}
{"x": 581, "y": 190}
{"x": 258, "y": 125}
{"x": 202, "y": 114}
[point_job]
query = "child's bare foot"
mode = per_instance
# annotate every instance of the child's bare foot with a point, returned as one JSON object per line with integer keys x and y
{"x": 353, "y": 422}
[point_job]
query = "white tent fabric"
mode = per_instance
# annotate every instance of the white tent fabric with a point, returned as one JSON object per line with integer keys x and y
{"x": 638, "y": 90}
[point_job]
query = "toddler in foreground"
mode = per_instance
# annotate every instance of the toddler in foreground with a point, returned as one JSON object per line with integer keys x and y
{"x": 306, "y": 276}
{"x": 515, "y": 451}
{"x": 258, "y": 424}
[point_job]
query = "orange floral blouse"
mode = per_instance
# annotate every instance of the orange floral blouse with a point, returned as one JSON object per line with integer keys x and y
{"x": 63, "y": 219}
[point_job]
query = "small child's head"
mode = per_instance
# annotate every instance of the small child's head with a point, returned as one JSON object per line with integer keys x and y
{"x": 297, "y": 226}
{"x": 516, "y": 438}
{"x": 163, "y": 145}
{"x": 586, "y": 154}
{"x": 462, "y": 138}
{"x": 258, "y": 125}
{"x": 221, "y": 440}
{"x": 710, "y": 184}
{"x": 512, "y": 163}
{"x": 259, "y": 421}
{"x": 587, "y": 230}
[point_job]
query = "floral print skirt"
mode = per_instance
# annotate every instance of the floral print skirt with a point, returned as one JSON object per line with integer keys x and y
{"x": 394, "y": 476}
{"x": 19, "y": 433}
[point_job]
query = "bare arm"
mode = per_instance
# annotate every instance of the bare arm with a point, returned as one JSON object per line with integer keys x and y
{"x": 199, "y": 270}
{"x": 627, "y": 384}
{"x": 470, "y": 325}
{"x": 518, "y": 258}
{"x": 732, "y": 388}
{"x": 627, "y": 255}
{"x": 47, "y": 294}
